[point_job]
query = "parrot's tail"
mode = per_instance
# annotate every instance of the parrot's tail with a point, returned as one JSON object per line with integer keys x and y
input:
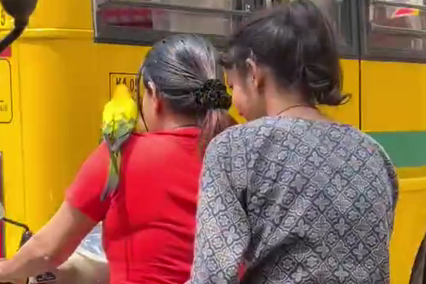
{"x": 114, "y": 166}
{"x": 113, "y": 176}
{"x": 120, "y": 141}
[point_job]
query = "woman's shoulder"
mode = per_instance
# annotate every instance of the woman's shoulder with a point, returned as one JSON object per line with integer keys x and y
{"x": 102, "y": 153}
{"x": 158, "y": 139}
{"x": 144, "y": 138}
{"x": 292, "y": 132}
{"x": 255, "y": 131}
{"x": 152, "y": 145}
{"x": 146, "y": 143}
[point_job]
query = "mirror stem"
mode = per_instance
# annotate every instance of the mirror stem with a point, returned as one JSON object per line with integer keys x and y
{"x": 13, "y": 35}
{"x": 25, "y": 227}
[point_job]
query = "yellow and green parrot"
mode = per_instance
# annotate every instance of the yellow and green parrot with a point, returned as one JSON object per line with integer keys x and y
{"x": 120, "y": 117}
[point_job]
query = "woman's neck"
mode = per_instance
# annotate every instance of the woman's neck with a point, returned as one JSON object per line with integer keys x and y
{"x": 177, "y": 122}
{"x": 281, "y": 103}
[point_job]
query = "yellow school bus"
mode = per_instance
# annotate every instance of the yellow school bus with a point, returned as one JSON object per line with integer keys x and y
{"x": 55, "y": 80}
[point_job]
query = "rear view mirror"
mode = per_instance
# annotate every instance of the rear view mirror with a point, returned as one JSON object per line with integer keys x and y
{"x": 21, "y": 11}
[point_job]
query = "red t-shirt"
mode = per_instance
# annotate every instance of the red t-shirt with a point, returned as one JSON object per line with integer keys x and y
{"x": 149, "y": 226}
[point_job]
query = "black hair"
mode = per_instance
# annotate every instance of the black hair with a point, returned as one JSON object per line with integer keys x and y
{"x": 185, "y": 70}
{"x": 297, "y": 43}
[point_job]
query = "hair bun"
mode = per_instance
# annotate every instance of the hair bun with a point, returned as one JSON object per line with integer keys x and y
{"x": 320, "y": 86}
{"x": 213, "y": 95}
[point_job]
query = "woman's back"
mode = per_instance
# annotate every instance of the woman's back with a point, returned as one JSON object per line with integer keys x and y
{"x": 300, "y": 198}
{"x": 318, "y": 196}
{"x": 151, "y": 180}
{"x": 143, "y": 187}
{"x": 148, "y": 230}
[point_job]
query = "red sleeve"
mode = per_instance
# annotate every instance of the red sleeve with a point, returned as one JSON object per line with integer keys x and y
{"x": 85, "y": 192}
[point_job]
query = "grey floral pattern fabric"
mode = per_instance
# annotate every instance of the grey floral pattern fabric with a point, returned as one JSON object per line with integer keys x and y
{"x": 296, "y": 201}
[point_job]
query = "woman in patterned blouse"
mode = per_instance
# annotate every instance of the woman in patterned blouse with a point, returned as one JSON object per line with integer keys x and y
{"x": 292, "y": 195}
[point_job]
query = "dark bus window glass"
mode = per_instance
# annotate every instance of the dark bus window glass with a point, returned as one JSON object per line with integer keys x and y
{"x": 144, "y": 21}
{"x": 397, "y": 27}
{"x": 338, "y": 12}
{"x": 118, "y": 18}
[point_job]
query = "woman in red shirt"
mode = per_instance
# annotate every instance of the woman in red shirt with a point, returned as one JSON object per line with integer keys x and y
{"x": 149, "y": 225}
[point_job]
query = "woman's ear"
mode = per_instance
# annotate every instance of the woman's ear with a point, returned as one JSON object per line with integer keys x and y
{"x": 151, "y": 89}
{"x": 255, "y": 74}
{"x": 154, "y": 95}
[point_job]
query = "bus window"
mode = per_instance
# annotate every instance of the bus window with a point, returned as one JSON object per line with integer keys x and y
{"x": 398, "y": 27}
{"x": 183, "y": 21}
{"x": 339, "y": 13}
{"x": 145, "y": 21}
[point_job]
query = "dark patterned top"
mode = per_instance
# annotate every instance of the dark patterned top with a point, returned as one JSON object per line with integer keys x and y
{"x": 297, "y": 201}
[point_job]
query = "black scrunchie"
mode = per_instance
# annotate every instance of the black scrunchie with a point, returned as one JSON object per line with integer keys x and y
{"x": 213, "y": 95}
